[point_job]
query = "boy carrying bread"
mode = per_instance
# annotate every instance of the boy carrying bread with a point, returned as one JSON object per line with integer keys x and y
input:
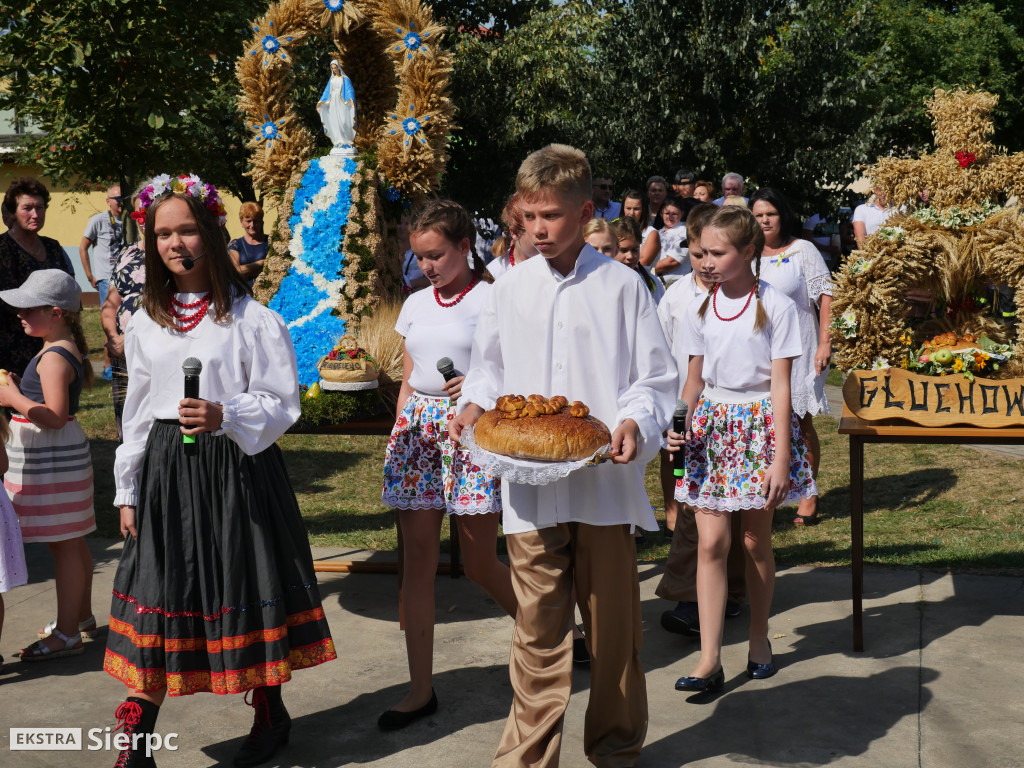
{"x": 578, "y": 324}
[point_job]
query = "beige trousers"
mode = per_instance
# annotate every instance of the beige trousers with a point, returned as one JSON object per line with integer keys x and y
{"x": 679, "y": 583}
{"x": 601, "y": 562}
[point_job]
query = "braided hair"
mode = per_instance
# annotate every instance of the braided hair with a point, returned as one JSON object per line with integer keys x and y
{"x": 741, "y": 230}
{"x": 453, "y": 223}
{"x": 73, "y": 320}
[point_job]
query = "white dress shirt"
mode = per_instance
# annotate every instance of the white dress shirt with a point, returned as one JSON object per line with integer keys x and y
{"x": 248, "y": 367}
{"x": 592, "y": 335}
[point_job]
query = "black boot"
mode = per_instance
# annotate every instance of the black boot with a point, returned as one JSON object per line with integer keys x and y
{"x": 270, "y": 727}
{"x": 136, "y": 718}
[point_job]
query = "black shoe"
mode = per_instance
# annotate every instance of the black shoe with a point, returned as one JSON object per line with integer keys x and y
{"x": 762, "y": 671}
{"x": 136, "y": 717}
{"x": 580, "y": 655}
{"x": 732, "y": 610}
{"x": 711, "y": 684}
{"x": 393, "y": 720}
{"x": 683, "y": 620}
{"x": 270, "y": 728}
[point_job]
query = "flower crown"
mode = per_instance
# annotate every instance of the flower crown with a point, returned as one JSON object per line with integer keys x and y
{"x": 185, "y": 184}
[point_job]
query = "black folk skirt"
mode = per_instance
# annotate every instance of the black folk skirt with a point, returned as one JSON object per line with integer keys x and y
{"x": 217, "y": 593}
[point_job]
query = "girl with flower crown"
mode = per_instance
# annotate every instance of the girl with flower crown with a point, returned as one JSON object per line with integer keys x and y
{"x": 215, "y": 590}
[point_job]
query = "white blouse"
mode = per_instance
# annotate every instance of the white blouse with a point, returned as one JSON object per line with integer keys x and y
{"x": 592, "y": 335}
{"x": 248, "y": 367}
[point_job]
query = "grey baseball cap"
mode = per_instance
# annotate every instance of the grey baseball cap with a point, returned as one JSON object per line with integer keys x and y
{"x": 46, "y": 288}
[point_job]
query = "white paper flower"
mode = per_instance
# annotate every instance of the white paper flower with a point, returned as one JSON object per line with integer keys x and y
{"x": 879, "y": 364}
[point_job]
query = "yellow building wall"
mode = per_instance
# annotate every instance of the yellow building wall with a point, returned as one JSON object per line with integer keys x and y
{"x": 69, "y": 212}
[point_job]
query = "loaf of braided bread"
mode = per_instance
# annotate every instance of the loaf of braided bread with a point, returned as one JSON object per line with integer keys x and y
{"x": 541, "y": 428}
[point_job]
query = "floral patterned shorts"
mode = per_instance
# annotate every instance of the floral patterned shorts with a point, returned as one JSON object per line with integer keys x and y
{"x": 424, "y": 470}
{"x": 732, "y": 446}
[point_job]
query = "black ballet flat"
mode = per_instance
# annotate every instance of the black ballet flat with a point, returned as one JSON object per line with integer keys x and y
{"x": 393, "y": 720}
{"x": 711, "y": 684}
{"x": 762, "y": 671}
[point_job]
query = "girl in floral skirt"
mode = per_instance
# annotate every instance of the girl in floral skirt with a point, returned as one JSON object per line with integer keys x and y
{"x": 741, "y": 342}
{"x": 425, "y": 474}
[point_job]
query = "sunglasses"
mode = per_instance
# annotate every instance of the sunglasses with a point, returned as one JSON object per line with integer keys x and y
{"x": 116, "y": 199}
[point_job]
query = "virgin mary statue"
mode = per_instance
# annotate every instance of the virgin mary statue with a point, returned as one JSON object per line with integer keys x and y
{"x": 337, "y": 108}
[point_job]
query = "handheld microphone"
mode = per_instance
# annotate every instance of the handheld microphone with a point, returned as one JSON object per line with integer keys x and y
{"x": 679, "y": 425}
{"x": 191, "y": 368}
{"x": 188, "y": 263}
{"x": 446, "y": 368}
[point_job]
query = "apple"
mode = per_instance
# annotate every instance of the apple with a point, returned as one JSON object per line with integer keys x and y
{"x": 942, "y": 357}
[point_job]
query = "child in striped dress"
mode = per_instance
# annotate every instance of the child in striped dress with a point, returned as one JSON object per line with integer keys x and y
{"x": 50, "y": 474}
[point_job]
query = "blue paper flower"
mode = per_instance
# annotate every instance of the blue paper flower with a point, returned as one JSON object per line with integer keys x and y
{"x": 393, "y": 195}
{"x": 334, "y": 5}
{"x": 411, "y": 40}
{"x": 411, "y": 125}
{"x": 270, "y": 46}
{"x": 268, "y": 131}
{"x": 299, "y": 298}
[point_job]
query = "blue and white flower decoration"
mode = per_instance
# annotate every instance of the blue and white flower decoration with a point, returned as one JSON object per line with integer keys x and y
{"x": 269, "y": 130}
{"x": 312, "y": 288}
{"x": 270, "y": 46}
{"x": 411, "y": 40}
{"x": 412, "y": 126}
{"x": 334, "y": 5}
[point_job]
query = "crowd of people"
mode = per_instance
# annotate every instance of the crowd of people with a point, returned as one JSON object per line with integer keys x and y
{"x": 669, "y": 295}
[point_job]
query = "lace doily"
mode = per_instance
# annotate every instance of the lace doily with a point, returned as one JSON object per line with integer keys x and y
{"x": 524, "y": 471}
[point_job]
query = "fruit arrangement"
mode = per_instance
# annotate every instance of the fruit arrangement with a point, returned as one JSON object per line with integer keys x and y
{"x": 951, "y": 353}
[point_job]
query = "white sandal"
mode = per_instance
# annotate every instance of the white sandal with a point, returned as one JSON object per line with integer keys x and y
{"x": 86, "y": 628}
{"x": 40, "y": 651}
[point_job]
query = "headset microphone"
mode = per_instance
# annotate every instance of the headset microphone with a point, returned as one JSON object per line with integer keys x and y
{"x": 188, "y": 262}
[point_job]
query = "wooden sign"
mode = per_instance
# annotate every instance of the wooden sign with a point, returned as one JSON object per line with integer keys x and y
{"x": 934, "y": 401}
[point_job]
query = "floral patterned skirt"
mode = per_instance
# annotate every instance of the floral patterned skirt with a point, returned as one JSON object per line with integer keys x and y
{"x": 727, "y": 459}
{"x": 423, "y": 469}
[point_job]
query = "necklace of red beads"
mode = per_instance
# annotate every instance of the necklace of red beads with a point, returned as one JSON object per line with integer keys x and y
{"x": 186, "y": 322}
{"x": 457, "y": 299}
{"x": 714, "y": 303}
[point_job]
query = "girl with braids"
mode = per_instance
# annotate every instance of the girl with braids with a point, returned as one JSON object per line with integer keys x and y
{"x": 50, "y": 474}
{"x": 743, "y": 448}
{"x": 425, "y": 473}
{"x": 513, "y": 246}
{"x": 215, "y": 589}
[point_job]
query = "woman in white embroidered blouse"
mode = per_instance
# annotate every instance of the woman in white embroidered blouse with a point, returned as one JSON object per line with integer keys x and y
{"x": 215, "y": 549}
{"x": 796, "y": 268}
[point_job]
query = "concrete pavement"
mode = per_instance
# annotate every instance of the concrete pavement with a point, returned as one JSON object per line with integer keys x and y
{"x": 939, "y": 684}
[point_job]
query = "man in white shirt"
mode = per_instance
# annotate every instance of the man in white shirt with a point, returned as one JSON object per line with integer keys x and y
{"x": 732, "y": 184}
{"x": 604, "y": 206}
{"x": 103, "y": 235}
{"x": 547, "y": 328}
{"x": 869, "y": 217}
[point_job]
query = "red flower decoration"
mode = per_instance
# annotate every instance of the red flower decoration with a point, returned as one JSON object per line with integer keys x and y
{"x": 965, "y": 158}
{"x": 139, "y": 216}
{"x": 352, "y": 353}
{"x": 333, "y": 355}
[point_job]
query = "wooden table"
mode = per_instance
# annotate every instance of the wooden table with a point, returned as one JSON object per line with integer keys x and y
{"x": 896, "y": 431}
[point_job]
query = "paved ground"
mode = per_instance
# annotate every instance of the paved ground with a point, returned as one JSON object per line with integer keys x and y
{"x": 939, "y": 684}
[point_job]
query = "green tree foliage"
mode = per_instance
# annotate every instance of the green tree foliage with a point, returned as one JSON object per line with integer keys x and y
{"x": 121, "y": 89}
{"x": 939, "y": 44}
{"x": 772, "y": 89}
{"x": 516, "y": 93}
{"x": 492, "y": 18}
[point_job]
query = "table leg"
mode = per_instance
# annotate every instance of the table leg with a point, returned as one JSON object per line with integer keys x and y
{"x": 857, "y": 537}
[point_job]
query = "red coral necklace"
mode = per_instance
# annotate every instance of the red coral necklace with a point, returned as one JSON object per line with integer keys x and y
{"x": 186, "y": 322}
{"x": 714, "y": 303}
{"x": 457, "y": 299}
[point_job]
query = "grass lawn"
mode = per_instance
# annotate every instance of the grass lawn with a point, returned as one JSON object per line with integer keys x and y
{"x": 925, "y": 506}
